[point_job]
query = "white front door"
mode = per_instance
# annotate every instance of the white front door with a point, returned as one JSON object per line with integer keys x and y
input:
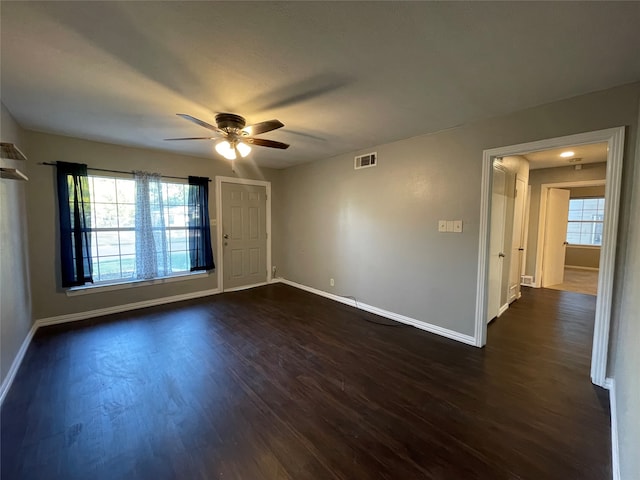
{"x": 517, "y": 245}
{"x": 496, "y": 242}
{"x": 555, "y": 236}
{"x": 244, "y": 235}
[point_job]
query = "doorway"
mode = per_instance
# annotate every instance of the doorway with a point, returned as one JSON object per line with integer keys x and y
{"x": 243, "y": 234}
{"x": 614, "y": 138}
{"x": 578, "y": 229}
{"x": 507, "y": 232}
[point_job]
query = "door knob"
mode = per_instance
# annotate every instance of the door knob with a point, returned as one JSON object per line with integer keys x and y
{"x": 225, "y": 236}
{"x": 501, "y": 255}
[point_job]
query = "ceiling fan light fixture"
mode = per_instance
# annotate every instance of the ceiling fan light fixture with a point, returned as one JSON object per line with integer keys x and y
{"x": 244, "y": 149}
{"x": 225, "y": 149}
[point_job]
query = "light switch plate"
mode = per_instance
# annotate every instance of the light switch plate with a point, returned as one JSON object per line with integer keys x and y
{"x": 457, "y": 226}
{"x": 449, "y": 225}
{"x": 442, "y": 225}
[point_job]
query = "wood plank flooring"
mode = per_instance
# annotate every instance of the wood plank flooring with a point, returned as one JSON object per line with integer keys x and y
{"x": 277, "y": 383}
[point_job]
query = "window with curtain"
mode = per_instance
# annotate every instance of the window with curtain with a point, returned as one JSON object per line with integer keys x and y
{"x": 586, "y": 217}
{"x": 136, "y": 229}
{"x": 74, "y": 206}
{"x": 200, "y": 253}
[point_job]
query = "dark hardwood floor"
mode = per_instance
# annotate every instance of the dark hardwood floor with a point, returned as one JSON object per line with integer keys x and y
{"x": 277, "y": 383}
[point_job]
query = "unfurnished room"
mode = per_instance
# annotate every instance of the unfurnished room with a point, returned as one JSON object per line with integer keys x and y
{"x": 319, "y": 240}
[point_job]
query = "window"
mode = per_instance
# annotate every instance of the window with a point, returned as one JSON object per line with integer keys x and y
{"x": 585, "y": 221}
{"x": 118, "y": 229}
{"x": 113, "y": 233}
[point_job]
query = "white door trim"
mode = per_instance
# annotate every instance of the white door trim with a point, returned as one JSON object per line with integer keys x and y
{"x": 615, "y": 140}
{"x": 242, "y": 181}
{"x": 542, "y": 219}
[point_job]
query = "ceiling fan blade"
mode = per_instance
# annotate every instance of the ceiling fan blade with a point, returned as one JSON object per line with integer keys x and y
{"x": 191, "y": 138}
{"x": 202, "y": 123}
{"x": 262, "y": 142}
{"x": 263, "y": 127}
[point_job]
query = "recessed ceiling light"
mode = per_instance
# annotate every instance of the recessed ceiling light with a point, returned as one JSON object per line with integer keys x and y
{"x": 566, "y": 154}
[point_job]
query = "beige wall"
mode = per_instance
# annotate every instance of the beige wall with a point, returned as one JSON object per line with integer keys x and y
{"x": 50, "y": 299}
{"x": 627, "y": 345}
{"x": 586, "y": 192}
{"x": 375, "y": 230}
{"x": 15, "y": 294}
{"x": 579, "y": 256}
{"x": 594, "y": 171}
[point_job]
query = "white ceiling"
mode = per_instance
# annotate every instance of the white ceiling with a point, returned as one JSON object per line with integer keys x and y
{"x": 593, "y": 153}
{"x": 340, "y": 76}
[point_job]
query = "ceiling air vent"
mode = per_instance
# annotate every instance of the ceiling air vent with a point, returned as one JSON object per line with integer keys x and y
{"x": 366, "y": 160}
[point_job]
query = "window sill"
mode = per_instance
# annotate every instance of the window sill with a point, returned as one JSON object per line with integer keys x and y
{"x": 108, "y": 287}
{"x": 590, "y": 247}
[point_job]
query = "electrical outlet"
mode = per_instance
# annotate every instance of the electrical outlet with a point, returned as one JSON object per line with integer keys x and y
{"x": 331, "y": 282}
{"x": 442, "y": 225}
{"x": 449, "y": 225}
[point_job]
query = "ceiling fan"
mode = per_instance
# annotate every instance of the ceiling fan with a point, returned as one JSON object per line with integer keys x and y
{"x": 236, "y": 136}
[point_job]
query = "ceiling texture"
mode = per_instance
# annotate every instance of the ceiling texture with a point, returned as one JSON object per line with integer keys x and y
{"x": 341, "y": 76}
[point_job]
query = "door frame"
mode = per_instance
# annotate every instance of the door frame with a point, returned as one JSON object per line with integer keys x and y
{"x": 542, "y": 219}
{"x": 614, "y": 137}
{"x": 218, "y": 222}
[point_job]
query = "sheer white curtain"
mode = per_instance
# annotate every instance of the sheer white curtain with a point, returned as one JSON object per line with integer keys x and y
{"x": 152, "y": 257}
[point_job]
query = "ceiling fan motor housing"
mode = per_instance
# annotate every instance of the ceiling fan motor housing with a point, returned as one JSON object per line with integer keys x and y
{"x": 230, "y": 121}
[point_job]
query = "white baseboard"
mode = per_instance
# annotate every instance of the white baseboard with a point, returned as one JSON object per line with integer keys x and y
{"x": 17, "y": 361}
{"x": 73, "y": 317}
{"x": 578, "y": 267}
{"x": 503, "y": 309}
{"x": 246, "y": 287}
{"x": 444, "y": 332}
{"x": 610, "y": 384}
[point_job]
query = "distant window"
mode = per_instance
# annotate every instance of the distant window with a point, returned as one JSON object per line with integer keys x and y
{"x": 586, "y": 217}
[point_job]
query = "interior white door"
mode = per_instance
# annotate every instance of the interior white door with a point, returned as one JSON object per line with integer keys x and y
{"x": 496, "y": 241}
{"x": 517, "y": 245}
{"x": 244, "y": 236}
{"x": 555, "y": 236}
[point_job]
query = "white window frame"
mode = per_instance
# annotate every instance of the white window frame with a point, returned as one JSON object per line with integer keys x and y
{"x": 127, "y": 282}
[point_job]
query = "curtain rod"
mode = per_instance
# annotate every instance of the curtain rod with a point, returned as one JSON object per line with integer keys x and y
{"x": 114, "y": 171}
